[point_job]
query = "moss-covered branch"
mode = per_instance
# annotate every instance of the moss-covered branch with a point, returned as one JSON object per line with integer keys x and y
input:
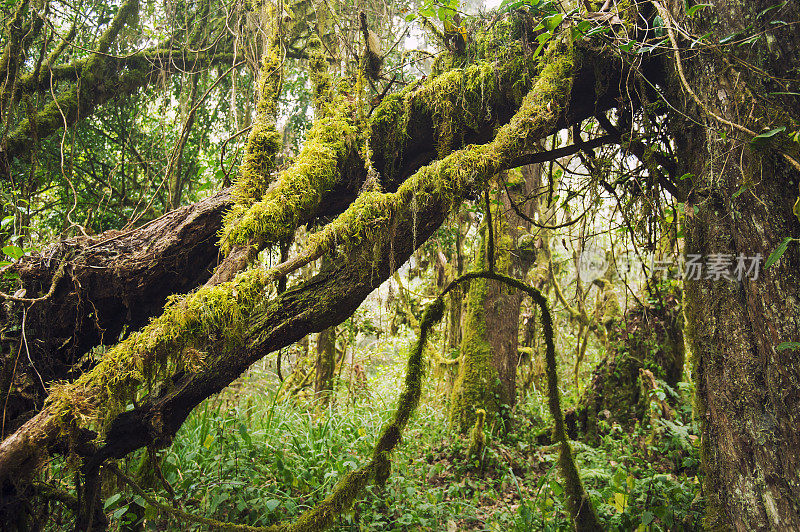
{"x": 580, "y": 507}
{"x": 95, "y": 85}
{"x": 204, "y": 341}
{"x": 10, "y": 59}
{"x": 153, "y": 62}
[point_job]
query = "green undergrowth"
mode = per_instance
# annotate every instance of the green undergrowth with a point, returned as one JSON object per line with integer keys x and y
{"x": 245, "y": 458}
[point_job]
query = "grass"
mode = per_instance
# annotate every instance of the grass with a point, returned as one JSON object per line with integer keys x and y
{"x": 246, "y": 458}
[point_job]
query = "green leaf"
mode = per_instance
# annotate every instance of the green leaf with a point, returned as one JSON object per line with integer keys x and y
{"x": 445, "y": 13}
{"x": 700, "y": 39}
{"x": 788, "y": 345}
{"x": 766, "y": 136}
{"x": 694, "y": 9}
{"x": 750, "y": 40}
{"x": 245, "y": 435}
{"x": 778, "y": 253}
{"x": 647, "y": 517}
{"x": 598, "y": 30}
{"x": 15, "y": 252}
{"x": 553, "y": 21}
{"x": 581, "y": 29}
{"x": 619, "y": 501}
{"x": 684, "y": 177}
{"x": 111, "y": 500}
{"x": 770, "y": 8}
{"x": 272, "y": 504}
{"x": 729, "y": 38}
{"x": 740, "y": 191}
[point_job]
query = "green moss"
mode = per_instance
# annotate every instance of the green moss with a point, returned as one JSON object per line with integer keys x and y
{"x": 477, "y": 439}
{"x": 477, "y": 381}
{"x": 478, "y": 385}
{"x": 169, "y": 343}
{"x": 298, "y": 190}
{"x": 264, "y": 141}
{"x": 318, "y": 72}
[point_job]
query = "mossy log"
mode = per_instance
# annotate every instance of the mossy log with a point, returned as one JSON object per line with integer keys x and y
{"x": 93, "y": 289}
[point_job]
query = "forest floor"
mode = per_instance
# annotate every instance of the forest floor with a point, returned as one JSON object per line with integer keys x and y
{"x": 247, "y": 458}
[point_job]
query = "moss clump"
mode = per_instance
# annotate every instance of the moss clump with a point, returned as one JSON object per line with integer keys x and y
{"x": 477, "y": 439}
{"x": 298, "y": 190}
{"x": 318, "y": 72}
{"x": 264, "y": 141}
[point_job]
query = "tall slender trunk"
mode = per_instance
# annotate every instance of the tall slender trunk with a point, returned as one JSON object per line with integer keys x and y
{"x": 325, "y": 364}
{"x": 489, "y": 351}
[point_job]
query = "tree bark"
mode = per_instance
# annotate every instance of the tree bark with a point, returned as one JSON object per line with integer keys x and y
{"x": 94, "y": 290}
{"x": 489, "y": 354}
{"x": 488, "y": 365}
{"x": 740, "y": 203}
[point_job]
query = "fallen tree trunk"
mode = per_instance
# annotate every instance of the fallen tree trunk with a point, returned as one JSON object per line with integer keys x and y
{"x": 87, "y": 291}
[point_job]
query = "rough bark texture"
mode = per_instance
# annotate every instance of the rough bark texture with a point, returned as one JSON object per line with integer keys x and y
{"x": 489, "y": 353}
{"x": 748, "y": 390}
{"x": 326, "y": 362}
{"x": 104, "y": 286}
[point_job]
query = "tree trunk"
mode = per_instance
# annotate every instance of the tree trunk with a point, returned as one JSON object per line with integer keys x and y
{"x": 489, "y": 354}
{"x": 740, "y": 204}
{"x": 488, "y": 365}
{"x": 325, "y": 364}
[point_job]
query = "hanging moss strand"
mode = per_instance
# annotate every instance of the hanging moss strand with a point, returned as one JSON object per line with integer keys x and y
{"x": 580, "y": 507}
